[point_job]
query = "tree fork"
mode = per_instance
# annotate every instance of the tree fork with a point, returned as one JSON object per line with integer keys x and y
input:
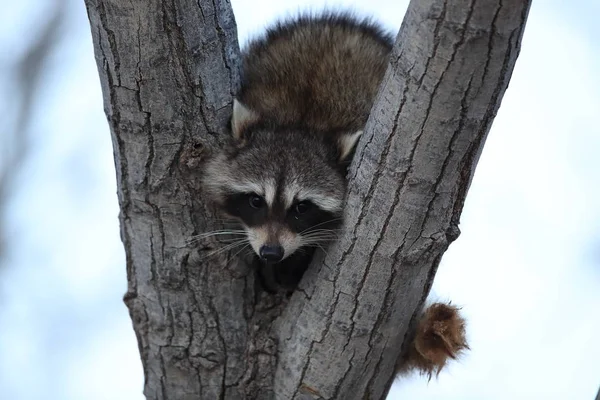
{"x": 168, "y": 72}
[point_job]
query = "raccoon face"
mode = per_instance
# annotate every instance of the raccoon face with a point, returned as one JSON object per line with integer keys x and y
{"x": 285, "y": 186}
{"x": 278, "y": 227}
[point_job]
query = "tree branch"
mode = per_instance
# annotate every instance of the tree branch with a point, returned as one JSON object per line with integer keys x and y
{"x": 340, "y": 336}
{"x": 168, "y": 72}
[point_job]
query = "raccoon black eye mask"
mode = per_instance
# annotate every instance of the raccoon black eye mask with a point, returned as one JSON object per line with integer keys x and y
{"x": 307, "y": 87}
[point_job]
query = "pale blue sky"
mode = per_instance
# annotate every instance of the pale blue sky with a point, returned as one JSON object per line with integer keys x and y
{"x": 526, "y": 268}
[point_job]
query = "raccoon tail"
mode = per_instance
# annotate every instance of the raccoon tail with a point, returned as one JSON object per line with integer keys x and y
{"x": 439, "y": 338}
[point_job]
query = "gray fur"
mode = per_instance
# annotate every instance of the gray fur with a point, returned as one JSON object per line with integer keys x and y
{"x": 307, "y": 89}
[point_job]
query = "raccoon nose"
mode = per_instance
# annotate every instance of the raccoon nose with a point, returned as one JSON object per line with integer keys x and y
{"x": 271, "y": 253}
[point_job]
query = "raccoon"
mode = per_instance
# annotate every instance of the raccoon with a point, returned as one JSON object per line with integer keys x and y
{"x": 307, "y": 88}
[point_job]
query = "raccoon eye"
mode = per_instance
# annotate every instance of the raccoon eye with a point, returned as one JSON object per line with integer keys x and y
{"x": 256, "y": 201}
{"x": 302, "y": 207}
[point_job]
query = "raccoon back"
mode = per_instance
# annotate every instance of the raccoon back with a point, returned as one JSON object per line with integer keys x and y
{"x": 316, "y": 72}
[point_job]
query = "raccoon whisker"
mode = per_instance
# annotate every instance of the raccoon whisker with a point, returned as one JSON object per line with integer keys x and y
{"x": 322, "y": 223}
{"x": 220, "y": 251}
{"x": 222, "y": 240}
{"x": 249, "y": 252}
{"x": 322, "y": 230}
{"x": 240, "y": 250}
{"x": 228, "y": 247}
{"x": 315, "y": 234}
{"x": 196, "y": 238}
{"x": 316, "y": 243}
{"x": 318, "y": 240}
{"x": 319, "y": 237}
{"x": 321, "y": 247}
{"x": 219, "y": 240}
{"x": 324, "y": 250}
{"x": 323, "y": 233}
{"x": 220, "y": 232}
{"x": 214, "y": 233}
{"x": 227, "y": 241}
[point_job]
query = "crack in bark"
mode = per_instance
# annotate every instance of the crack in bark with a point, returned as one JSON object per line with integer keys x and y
{"x": 112, "y": 42}
{"x": 222, "y": 39}
{"x": 436, "y": 42}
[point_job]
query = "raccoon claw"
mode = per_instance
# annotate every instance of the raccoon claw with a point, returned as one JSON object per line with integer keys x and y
{"x": 440, "y": 336}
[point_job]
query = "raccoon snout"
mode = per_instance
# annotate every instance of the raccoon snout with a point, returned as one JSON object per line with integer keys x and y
{"x": 271, "y": 253}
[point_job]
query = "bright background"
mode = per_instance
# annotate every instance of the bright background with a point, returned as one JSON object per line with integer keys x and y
{"x": 526, "y": 267}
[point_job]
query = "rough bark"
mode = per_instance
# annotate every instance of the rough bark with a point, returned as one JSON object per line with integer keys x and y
{"x": 168, "y": 71}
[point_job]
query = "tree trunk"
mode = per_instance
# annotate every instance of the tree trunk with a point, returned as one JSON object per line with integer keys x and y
{"x": 168, "y": 72}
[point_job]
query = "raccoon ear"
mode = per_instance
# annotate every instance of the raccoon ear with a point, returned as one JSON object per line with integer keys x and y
{"x": 346, "y": 144}
{"x": 242, "y": 117}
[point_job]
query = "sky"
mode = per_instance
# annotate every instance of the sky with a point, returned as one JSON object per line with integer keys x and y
{"x": 526, "y": 268}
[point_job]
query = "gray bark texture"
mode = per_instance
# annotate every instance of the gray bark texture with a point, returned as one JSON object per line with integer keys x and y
{"x": 168, "y": 71}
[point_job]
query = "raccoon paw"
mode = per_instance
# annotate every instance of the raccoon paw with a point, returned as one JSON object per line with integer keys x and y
{"x": 440, "y": 337}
